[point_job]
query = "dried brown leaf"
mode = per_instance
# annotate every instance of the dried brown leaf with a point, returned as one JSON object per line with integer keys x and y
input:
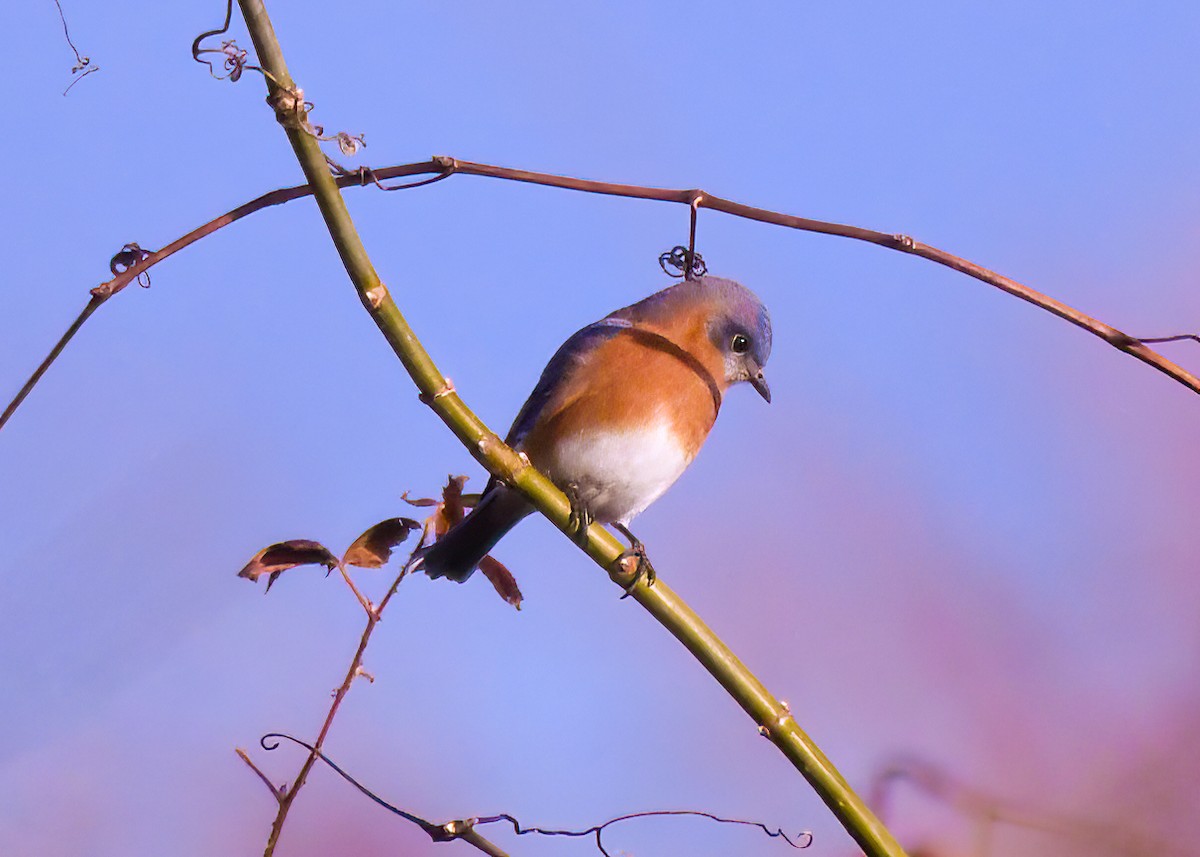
{"x": 420, "y": 501}
{"x": 275, "y": 559}
{"x": 374, "y": 547}
{"x": 447, "y": 512}
{"x": 502, "y": 579}
{"x": 450, "y": 510}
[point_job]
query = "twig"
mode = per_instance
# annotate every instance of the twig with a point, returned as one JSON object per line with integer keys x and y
{"x": 107, "y": 289}
{"x": 437, "y": 832}
{"x": 1178, "y": 338}
{"x": 362, "y": 599}
{"x": 461, "y": 828}
{"x": 82, "y": 63}
{"x": 772, "y": 716}
{"x": 92, "y": 306}
{"x": 288, "y": 796}
{"x": 473, "y": 837}
{"x": 276, "y": 792}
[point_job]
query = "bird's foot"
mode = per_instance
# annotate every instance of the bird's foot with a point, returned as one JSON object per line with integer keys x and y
{"x": 581, "y": 517}
{"x": 642, "y": 567}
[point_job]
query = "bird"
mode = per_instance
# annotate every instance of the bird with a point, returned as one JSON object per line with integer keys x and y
{"x": 620, "y": 411}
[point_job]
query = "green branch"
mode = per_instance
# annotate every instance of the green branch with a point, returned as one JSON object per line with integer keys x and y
{"x": 773, "y": 717}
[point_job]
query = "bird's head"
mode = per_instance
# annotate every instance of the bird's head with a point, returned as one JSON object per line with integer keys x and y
{"x": 740, "y": 328}
{"x": 712, "y": 311}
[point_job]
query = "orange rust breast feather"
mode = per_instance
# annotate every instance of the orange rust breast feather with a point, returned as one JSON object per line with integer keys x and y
{"x": 631, "y": 382}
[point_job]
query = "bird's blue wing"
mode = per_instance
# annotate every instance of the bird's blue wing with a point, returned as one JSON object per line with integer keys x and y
{"x": 561, "y": 366}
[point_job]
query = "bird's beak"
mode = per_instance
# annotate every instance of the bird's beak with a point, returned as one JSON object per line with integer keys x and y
{"x": 760, "y": 384}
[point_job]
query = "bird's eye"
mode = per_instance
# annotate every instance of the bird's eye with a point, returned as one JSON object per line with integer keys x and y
{"x": 740, "y": 344}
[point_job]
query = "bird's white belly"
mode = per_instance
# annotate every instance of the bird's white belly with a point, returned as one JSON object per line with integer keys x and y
{"x": 618, "y": 474}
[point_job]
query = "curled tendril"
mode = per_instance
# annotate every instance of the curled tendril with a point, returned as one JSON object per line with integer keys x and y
{"x": 235, "y": 57}
{"x": 271, "y": 741}
{"x": 130, "y": 256}
{"x": 350, "y": 143}
{"x": 288, "y": 102}
{"x": 366, "y": 176}
{"x": 677, "y": 258}
{"x": 82, "y": 63}
{"x": 443, "y": 832}
{"x": 1179, "y": 337}
{"x": 235, "y": 60}
{"x": 802, "y": 840}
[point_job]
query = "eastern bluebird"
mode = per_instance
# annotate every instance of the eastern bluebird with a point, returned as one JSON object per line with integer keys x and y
{"x": 621, "y": 410}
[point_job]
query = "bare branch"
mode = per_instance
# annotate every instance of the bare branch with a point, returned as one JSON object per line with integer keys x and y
{"x": 92, "y": 306}
{"x": 701, "y": 199}
{"x": 444, "y": 167}
{"x": 276, "y": 792}
{"x": 272, "y": 561}
{"x": 289, "y": 795}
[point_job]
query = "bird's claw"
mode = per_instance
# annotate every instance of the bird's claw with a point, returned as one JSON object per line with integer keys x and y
{"x": 637, "y": 552}
{"x": 581, "y": 517}
{"x": 642, "y": 570}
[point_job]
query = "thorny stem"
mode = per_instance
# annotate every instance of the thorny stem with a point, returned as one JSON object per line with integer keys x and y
{"x": 774, "y": 719}
{"x": 444, "y": 167}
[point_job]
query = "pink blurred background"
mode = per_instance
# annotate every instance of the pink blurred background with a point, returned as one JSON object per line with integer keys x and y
{"x": 963, "y": 532}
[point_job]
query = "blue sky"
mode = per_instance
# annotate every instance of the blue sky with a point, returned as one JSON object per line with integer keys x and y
{"x": 963, "y": 529}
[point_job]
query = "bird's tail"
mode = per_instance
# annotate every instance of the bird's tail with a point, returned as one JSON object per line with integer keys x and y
{"x": 456, "y": 554}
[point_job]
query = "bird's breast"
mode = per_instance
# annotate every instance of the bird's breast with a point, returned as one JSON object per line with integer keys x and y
{"x": 617, "y": 474}
{"x": 622, "y": 425}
